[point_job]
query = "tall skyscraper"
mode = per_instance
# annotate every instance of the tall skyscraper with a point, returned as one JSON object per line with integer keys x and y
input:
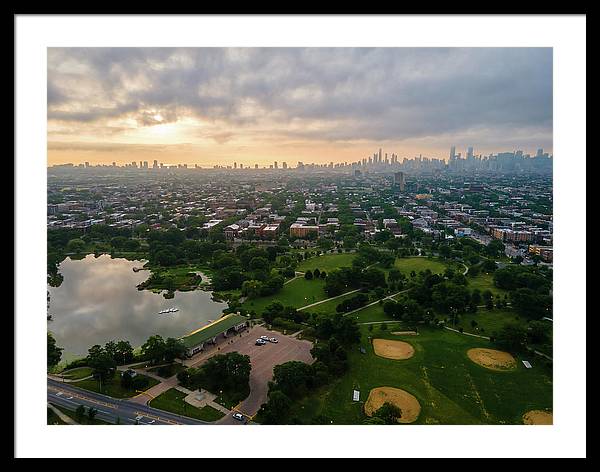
{"x": 284, "y": 165}
{"x": 470, "y": 152}
{"x": 452, "y": 153}
{"x": 379, "y": 159}
{"x": 399, "y": 180}
{"x": 155, "y": 164}
{"x": 274, "y": 165}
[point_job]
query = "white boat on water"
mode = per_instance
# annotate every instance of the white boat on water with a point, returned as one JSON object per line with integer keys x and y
{"x": 168, "y": 310}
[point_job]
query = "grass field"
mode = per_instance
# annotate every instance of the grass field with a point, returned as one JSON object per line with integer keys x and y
{"x": 372, "y": 313}
{"x": 73, "y": 416}
{"x": 112, "y": 388}
{"x": 78, "y": 373}
{"x": 167, "y": 371}
{"x": 172, "y": 400}
{"x": 485, "y": 282}
{"x": 53, "y": 418}
{"x": 298, "y": 293}
{"x": 450, "y": 388}
{"x": 490, "y": 320}
{"x": 327, "y": 262}
{"x": 407, "y": 264}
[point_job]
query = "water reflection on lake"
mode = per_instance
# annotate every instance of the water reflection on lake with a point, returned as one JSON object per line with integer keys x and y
{"x": 98, "y": 301}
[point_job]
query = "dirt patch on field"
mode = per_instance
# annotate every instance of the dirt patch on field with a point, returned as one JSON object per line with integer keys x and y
{"x": 492, "y": 359}
{"x": 393, "y": 349}
{"x": 537, "y": 417}
{"x": 401, "y": 333}
{"x": 407, "y": 403}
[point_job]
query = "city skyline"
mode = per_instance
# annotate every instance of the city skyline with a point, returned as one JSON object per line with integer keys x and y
{"x": 210, "y": 106}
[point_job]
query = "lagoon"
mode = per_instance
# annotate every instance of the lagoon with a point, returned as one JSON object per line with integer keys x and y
{"x": 98, "y": 301}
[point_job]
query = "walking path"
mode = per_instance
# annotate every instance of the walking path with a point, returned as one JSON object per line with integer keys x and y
{"x": 63, "y": 379}
{"x": 379, "y": 322}
{"x": 328, "y": 299}
{"x": 376, "y": 302}
{"x": 64, "y": 418}
{"x": 467, "y": 334}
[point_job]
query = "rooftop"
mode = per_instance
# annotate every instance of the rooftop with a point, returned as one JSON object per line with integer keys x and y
{"x": 212, "y": 329}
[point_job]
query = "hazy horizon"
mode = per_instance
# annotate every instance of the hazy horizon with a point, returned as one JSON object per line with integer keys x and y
{"x": 209, "y": 106}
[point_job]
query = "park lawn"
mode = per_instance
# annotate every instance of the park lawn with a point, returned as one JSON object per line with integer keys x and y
{"x": 492, "y": 321}
{"x": 113, "y": 387}
{"x": 167, "y": 371}
{"x": 329, "y": 307}
{"x": 449, "y": 386}
{"x": 298, "y": 293}
{"x": 326, "y": 262}
{"x": 53, "y": 418}
{"x": 371, "y": 313}
{"x": 77, "y": 373}
{"x": 84, "y": 420}
{"x": 407, "y": 264}
{"x": 485, "y": 282}
{"x": 172, "y": 401}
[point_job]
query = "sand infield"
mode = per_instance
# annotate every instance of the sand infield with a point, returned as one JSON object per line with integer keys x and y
{"x": 407, "y": 403}
{"x": 492, "y": 359}
{"x": 396, "y": 350}
{"x": 537, "y": 417}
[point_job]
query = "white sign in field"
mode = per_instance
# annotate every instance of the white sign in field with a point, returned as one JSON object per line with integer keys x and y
{"x": 355, "y": 395}
{"x": 527, "y": 364}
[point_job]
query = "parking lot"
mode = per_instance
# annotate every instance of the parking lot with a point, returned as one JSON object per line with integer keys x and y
{"x": 263, "y": 359}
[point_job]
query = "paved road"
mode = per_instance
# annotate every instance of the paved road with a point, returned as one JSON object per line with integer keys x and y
{"x": 109, "y": 409}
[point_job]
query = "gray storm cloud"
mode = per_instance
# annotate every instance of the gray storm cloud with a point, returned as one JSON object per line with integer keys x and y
{"x": 351, "y": 93}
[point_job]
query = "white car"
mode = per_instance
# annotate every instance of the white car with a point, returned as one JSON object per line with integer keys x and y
{"x": 238, "y": 416}
{"x": 273, "y": 340}
{"x": 260, "y": 342}
{"x": 266, "y": 338}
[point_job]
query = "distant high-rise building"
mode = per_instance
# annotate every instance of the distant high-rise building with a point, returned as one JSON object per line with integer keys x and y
{"x": 256, "y": 166}
{"x": 274, "y": 165}
{"x": 399, "y": 180}
{"x": 235, "y": 165}
{"x": 155, "y": 164}
{"x": 145, "y": 164}
{"x": 114, "y": 164}
{"x": 87, "y": 164}
{"x": 470, "y": 153}
{"x": 452, "y": 153}
{"x": 379, "y": 157}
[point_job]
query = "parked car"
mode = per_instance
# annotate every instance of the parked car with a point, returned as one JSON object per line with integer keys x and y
{"x": 238, "y": 416}
{"x": 260, "y": 342}
{"x": 266, "y": 338}
{"x": 273, "y": 340}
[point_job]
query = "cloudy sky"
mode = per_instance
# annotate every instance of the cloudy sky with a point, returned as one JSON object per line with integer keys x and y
{"x": 211, "y": 106}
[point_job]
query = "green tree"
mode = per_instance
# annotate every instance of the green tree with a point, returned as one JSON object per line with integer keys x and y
{"x": 174, "y": 348}
{"x": 154, "y": 349}
{"x": 79, "y": 413}
{"x": 277, "y": 408}
{"x": 389, "y": 413}
{"x": 102, "y": 363}
{"x": 92, "y": 413}
{"x": 54, "y": 353}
